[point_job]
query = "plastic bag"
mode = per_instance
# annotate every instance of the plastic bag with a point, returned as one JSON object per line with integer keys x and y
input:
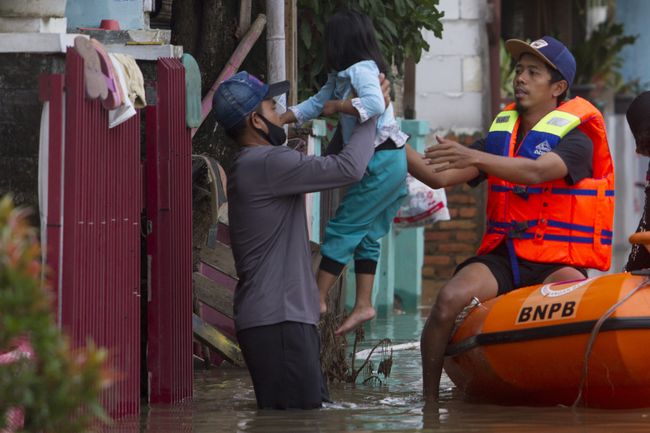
{"x": 422, "y": 206}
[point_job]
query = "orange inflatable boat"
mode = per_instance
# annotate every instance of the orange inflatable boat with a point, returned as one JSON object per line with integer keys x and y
{"x": 532, "y": 346}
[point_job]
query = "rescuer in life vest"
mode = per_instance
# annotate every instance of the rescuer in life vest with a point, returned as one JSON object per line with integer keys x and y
{"x": 550, "y": 182}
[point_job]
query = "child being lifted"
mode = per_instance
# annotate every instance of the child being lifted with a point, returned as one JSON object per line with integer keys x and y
{"x": 365, "y": 214}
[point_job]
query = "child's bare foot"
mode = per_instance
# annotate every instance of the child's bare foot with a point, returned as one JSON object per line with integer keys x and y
{"x": 357, "y": 317}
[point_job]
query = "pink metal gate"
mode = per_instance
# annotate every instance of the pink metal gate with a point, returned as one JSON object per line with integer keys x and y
{"x": 169, "y": 245}
{"x": 94, "y": 235}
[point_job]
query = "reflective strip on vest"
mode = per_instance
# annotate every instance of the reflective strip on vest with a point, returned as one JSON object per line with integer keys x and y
{"x": 557, "y": 123}
{"x": 505, "y": 121}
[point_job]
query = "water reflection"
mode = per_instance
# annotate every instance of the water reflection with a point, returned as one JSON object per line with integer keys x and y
{"x": 224, "y": 402}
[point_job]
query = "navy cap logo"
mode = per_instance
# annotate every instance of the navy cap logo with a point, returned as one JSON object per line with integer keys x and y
{"x": 539, "y": 43}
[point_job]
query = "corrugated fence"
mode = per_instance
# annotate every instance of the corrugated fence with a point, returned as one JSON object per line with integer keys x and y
{"x": 95, "y": 202}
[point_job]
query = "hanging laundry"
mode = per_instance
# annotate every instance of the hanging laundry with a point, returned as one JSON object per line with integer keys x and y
{"x": 97, "y": 83}
{"x": 126, "y": 110}
{"x": 115, "y": 96}
{"x": 134, "y": 79}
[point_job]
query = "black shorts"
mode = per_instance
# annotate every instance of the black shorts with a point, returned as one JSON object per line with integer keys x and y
{"x": 284, "y": 362}
{"x": 530, "y": 273}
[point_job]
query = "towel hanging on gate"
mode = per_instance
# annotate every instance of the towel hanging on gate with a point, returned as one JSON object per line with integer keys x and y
{"x": 125, "y": 111}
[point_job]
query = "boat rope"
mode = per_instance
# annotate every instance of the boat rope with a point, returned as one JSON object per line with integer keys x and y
{"x": 594, "y": 334}
{"x": 475, "y": 302}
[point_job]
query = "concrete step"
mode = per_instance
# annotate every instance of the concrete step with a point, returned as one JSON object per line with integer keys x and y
{"x": 32, "y": 8}
{"x": 32, "y": 25}
{"x": 35, "y": 42}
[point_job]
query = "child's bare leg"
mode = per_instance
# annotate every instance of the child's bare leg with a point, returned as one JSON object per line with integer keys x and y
{"x": 363, "y": 309}
{"x": 325, "y": 281}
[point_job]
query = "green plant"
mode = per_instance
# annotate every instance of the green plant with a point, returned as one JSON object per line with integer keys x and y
{"x": 399, "y": 25}
{"x": 58, "y": 388}
{"x": 598, "y": 58}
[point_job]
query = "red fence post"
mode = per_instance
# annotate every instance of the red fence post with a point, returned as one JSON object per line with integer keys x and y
{"x": 169, "y": 245}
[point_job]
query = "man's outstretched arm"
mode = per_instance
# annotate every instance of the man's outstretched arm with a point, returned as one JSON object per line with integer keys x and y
{"x": 449, "y": 155}
{"x": 419, "y": 168}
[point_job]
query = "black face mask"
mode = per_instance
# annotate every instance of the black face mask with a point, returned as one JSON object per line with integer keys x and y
{"x": 276, "y": 135}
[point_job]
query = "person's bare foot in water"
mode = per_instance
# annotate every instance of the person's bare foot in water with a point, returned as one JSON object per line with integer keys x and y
{"x": 358, "y": 316}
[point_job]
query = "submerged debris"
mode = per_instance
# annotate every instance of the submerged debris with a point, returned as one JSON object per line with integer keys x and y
{"x": 334, "y": 361}
{"x": 385, "y": 365}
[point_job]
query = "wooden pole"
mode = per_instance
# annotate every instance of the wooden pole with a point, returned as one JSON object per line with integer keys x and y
{"x": 409, "y": 89}
{"x": 291, "y": 34}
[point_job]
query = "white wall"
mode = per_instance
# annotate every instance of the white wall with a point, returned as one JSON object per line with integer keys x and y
{"x": 451, "y": 81}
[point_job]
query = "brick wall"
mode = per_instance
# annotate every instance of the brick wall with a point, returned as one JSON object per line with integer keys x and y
{"x": 449, "y": 243}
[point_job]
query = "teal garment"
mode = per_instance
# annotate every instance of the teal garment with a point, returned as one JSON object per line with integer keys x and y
{"x": 192, "y": 91}
{"x": 367, "y": 210}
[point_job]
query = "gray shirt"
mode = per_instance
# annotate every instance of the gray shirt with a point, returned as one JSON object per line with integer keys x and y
{"x": 268, "y": 225}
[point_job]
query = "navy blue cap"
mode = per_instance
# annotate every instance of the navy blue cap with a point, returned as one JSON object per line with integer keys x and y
{"x": 550, "y": 50}
{"x": 239, "y": 95}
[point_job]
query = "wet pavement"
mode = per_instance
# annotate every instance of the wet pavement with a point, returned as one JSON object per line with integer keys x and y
{"x": 224, "y": 402}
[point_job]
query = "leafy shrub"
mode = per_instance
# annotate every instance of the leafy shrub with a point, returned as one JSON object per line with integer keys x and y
{"x": 58, "y": 389}
{"x": 599, "y": 57}
{"x": 399, "y": 25}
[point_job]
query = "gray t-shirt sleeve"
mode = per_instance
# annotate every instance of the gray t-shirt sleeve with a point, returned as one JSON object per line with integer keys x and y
{"x": 289, "y": 172}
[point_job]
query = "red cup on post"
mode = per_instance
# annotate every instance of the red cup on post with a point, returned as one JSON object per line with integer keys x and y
{"x": 109, "y": 25}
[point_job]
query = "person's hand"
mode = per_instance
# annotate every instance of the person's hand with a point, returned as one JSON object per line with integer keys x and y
{"x": 449, "y": 154}
{"x": 287, "y": 117}
{"x": 331, "y": 108}
{"x": 385, "y": 88}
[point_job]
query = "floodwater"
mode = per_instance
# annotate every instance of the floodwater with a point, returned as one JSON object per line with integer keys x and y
{"x": 224, "y": 402}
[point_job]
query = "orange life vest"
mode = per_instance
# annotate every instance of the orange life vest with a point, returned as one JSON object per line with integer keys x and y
{"x": 552, "y": 222}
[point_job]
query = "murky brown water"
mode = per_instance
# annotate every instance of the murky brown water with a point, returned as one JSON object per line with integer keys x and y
{"x": 224, "y": 402}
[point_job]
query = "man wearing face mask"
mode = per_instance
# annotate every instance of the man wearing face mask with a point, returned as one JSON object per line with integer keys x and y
{"x": 276, "y": 302}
